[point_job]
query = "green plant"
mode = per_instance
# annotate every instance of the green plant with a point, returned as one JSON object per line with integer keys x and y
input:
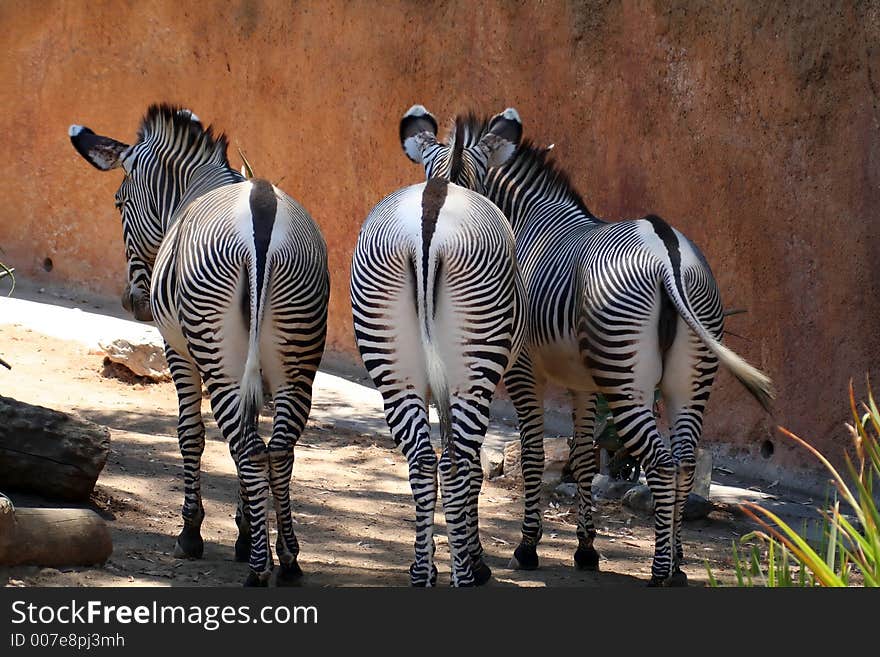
{"x": 850, "y": 551}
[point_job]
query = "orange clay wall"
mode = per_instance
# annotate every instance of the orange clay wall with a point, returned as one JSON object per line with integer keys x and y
{"x": 753, "y": 127}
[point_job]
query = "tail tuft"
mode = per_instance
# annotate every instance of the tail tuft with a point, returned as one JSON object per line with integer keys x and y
{"x": 754, "y": 380}
{"x": 440, "y": 392}
{"x": 251, "y": 394}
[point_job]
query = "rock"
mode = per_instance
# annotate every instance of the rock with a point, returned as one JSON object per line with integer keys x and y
{"x": 556, "y": 451}
{"x": 604, "y": 487}
{"x": 696, "y": 507}
{"x": 567, "y": 490}
{"x": 50, "y": 453}
{"x": 703, "y": 473}
{"x": 640, "y": 500}
{"x": 510, "y": 463}
{"x": 492, "y": 462}
{"x": 143, "y": 357}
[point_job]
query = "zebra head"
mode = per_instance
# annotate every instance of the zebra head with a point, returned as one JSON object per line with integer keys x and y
{"x": 473, "y": 147}
{"x": 171, "y": 146}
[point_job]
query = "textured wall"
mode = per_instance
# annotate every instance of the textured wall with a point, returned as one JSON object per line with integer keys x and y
{"x": 751, "y": 126}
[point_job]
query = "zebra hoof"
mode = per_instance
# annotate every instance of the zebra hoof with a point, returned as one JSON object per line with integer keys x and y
{"x": 482, "y": 572}
{"x": 418, "y": 581}
{"x": 189, "y": 544}
{"x": 289, "y": 575}
{"x": 242, "y": 548}
{"x": 586, "y": 559}
{"x": 525, "y": 557}
{"x": 254, "y": 579}
{"x": 676, "y": 580}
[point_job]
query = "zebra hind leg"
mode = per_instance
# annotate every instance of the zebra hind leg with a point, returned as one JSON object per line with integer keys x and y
{"x": 686, "y": 431}
{"x": 688, "y": 373}
{"x": 251, "y": 457}
{"x": 423, "y": 482}
{"x": 637, "y": 427}
{"x": 291, "y": 413}
{"x": 253, "y": 466}
{"x": 191, "y": 439}
{"x": 526, "y": 393}
{"x": 455, "y": 482}
{"x": 583, "y": 466}
{"x": 482, "y": 572}
{"x": 476, "y": 408}
{"x": 407, "y": 419}
{"x": 243, "y": 541}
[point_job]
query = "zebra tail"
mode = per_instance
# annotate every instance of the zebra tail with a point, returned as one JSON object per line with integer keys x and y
{"x": 434, "y": 366}
{"x": 251, "y": 387}
{"x": 754, "y": 380}
{"x": 440, "y": 392}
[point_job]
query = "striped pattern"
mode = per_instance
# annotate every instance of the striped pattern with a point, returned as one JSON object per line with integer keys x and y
{"x": 238, "y": 285}
{"x": 460, "y": 160}
{"x": 437, "y": 309}
{"x": 618, "y": 308}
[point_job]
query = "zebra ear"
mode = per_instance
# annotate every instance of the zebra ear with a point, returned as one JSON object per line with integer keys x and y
{"x": 188, "y": 113}
{"x": 102, "y": 153}
{"x": 418, "y": 128}
{"x": 504, "y": 135}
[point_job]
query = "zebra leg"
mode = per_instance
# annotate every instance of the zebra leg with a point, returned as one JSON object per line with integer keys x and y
{"x": 191, "y": 439}
{"x": 471, "y": 413}
{"x": 685, "y": 390}
{"x": 689, "y": 370}
{"x": 407, "y": 417}
{"x": 637, "y": 428}
{"x": 243, "y": 541}
{"x": 684, "y": 454}
{"x": 455, "y": 481}
{"x": 422, "y": 462}
{"x": 292, "y": 408}
{"x": 251, "y": 458}
{"x": 583, "y": 466}
{"x": 482, "y": 572}
{"x": 526, "y": 391}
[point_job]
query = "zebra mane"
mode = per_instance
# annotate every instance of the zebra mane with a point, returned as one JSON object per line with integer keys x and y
{"x": 531, "y": 165}
{"x": 171, "y": 123}
{"x": 469, "y": 128}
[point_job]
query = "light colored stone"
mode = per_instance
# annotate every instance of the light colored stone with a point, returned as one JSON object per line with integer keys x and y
{"x": 640, "y": 500}
{"x": 568, "y": 490}
{"x": 556, "y": 451}
{"x": 510, "y": 463}
{"x": 703, "y": 473}
{"x": 143, "y": 357}
{"x": 604, "y": 487}
{"x": 492, "y": 462}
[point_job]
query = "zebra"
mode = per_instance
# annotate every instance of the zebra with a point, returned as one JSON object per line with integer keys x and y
{"x": 617, "y": 308}
{"x": 437, "y": 306}
{"x": 234, "y": 273}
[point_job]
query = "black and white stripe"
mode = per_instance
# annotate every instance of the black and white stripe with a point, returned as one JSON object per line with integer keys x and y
{"x": 234, "y": 272}
{"x": 437, "y": 305}
{"x": 618, "y": 308}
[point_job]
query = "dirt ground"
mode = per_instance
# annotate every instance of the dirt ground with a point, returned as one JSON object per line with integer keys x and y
{"x": 351, "y": 499}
